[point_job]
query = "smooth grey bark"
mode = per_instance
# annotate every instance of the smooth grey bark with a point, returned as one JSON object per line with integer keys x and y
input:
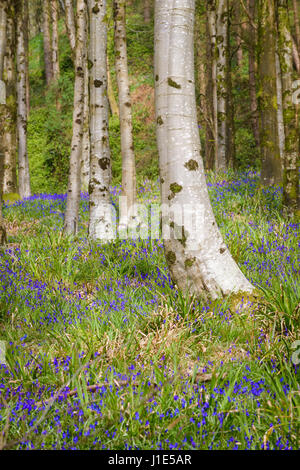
{"x": 85, "y": 157}
{"x": 55, "y": 58}
{"x": 10, "y": 109}
{"x": 198, "y": 258}
{"x": 221, "y": 50}
{"x": 101, "y": 223}
{"x": 212, "y": 79}
{"x": 128, "y": 205}
{"x": 73, "y": 195}
{"x": 70, "y": 24}
{"x": 23, "y": 164}
{"x": 47, "y": 42}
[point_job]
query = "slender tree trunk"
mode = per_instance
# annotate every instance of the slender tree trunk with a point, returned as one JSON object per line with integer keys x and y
{"x": 147, "y": 11}
{"x": 101, "y": 224}
{"x": 85, "y": 160}
{"x": 297, "y": 24}
{"x": 280, "y": 122}
{"x": 213, "y": 89}
{"x": 47, "y": 42}
{"x": 10, "y": 110}
{"x": 70, "y": 24}
{"x": 73, "y": 195}
{"x": 22, "y": 61}
{"x": 252, "y": 73}
{"x": 221, "y": 48}
{"x": 292, "y": 141}
{"x": 26, "y": 39}
{"x": 230, "y": 127}
{"x": 271, "y": 171}
{"x": 128, "y": 204}
{"x": 2, "y": 107}
{"x": 55, "y": 58}
{"x": 197, "y": 257}
{"x": 114, "y": 108}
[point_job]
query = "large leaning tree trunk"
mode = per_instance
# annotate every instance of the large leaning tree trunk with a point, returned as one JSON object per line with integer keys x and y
{"x": 10, "y": 110}
{"x": 197, "y": 256}
{"x": 22, "y": 62}
{"x": 73, "y": 194}
{"x": 271, "y": 171}
{"x": 101, "y": 223}
{"x": 128, "y": 204}
{"x": 291, "y": 147}
{"x": 47, "y": 42}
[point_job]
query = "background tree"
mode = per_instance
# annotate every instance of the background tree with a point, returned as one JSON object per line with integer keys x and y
{"x": 73, "y": 195}
{"x": 48, "y": 57}
{"x": 10, "y": 110}
{"x": 291, "y": 131}
{"x": 2, "y": 52}
{"x": 22, "y": 63}
{"x": 127, "y": 211}
{"x": 271, "y": 172}
{"x": 100, "y": 208}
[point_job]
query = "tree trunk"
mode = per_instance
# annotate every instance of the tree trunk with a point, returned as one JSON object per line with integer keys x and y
{"x": 73, "y": 195}
{"x": 85, "y": 159}
{"x": 297, "y": 24}
{"x": 22, "y": 61}
{"x": 2, "y": 106}
{"x": 10, "y": 110}
{"x": 212, "y": 79}
{"x": 70, "y": 24}
{"x": 55, "y": 58}
{"x": 291, "y": 148}
{"x": 271, "y": 172}
{"x": 197, "y": 257}
{"x": 252, "y": 73}
{"x": 128, "y": 203}
{"x": 47, "y": 43}
{"x": 114, "y": 108}
{"x": 101, "y": 224}
{"x": 147, "y": 11}
{"x": 221, "y": 49}
{"x": 230, "y": 127}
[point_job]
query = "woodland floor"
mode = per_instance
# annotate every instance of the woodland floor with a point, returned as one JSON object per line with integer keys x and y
{"x": 103, "y": 352}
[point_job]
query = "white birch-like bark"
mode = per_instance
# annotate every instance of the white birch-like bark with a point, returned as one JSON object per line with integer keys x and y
{"x": 101, "y": 223}
{"x": 70, "y": 24}
{"x": 55, "y": 58}
{"x": 221, "y": 47}
{"x": 85, "y": 157}
{"x": 198, "y": 258}
{"x": 280, "y": 122}
{"x": 23, "y": 164}
{"x": 73, "y": 195}
{"x": 128, "y": 212}
{"x": 10, "y": 110}
{"x": 212, "y": 29}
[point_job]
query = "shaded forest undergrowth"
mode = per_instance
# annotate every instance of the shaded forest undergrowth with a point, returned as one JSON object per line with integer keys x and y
{"x": 103, "y": 352}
